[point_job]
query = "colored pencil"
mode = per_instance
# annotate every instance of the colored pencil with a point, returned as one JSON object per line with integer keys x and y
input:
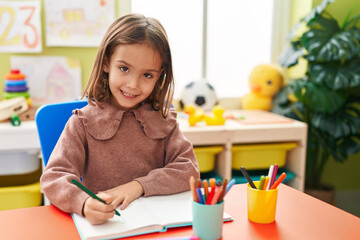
{"x": 200, "y": 196}
{"x": 266, "y": 182}
{"x": 278, "y": 181}
{"x": 206, "y": 189}
{"x": 211, "y": 195}
{"x": 274, "y": 173}
{"x": 212, "y": 182}
{"x": 217, "y": 194}
{"x": 192, "y": 188}
{"x": 221, "y": 198}
{"x": 261, "y": 183}
{"x": 229, "y": 185}
{"x": 270, "y": 176}
{"x": 246, "y": 175}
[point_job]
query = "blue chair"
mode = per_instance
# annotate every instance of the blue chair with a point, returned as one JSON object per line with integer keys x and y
{"x": 50, "y": 121}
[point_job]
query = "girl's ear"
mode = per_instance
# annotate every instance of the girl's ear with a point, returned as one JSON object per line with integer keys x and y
{"x": 163, "y": 79}
{"x": 106, "y": 65}
{"x": 161, "y": 71}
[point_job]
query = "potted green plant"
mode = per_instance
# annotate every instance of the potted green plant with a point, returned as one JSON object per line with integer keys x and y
{"x": 327, "y": 97}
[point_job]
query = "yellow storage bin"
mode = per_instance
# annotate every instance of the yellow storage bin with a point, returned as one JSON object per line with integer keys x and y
{"x": 20, "y": 179}
{"x": 206, "y": 157}
{"x": 20, "y": 196}
{"x": 260, "y": 156}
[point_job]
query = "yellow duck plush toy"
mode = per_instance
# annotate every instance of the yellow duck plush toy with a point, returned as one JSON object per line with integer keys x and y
{"x": 195, "y": 115}
{"x": 265, "y": 81}
{"x": 217, "y": 118}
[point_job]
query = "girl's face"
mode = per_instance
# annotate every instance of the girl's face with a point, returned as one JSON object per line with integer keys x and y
{"x": 133, "y": 72}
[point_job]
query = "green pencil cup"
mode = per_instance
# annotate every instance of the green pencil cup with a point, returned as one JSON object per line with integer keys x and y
{"x": 208, "y": 220}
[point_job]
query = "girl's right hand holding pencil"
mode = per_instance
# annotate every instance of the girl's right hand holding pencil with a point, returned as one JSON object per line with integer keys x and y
{"x": 97, "y": 212}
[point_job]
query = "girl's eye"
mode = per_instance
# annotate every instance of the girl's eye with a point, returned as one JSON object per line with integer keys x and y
{"x": 148, "y": 75}
{"x": 124, "y": 69}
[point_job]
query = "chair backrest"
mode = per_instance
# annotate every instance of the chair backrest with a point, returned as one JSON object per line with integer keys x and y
{"x": 50, "y": 121}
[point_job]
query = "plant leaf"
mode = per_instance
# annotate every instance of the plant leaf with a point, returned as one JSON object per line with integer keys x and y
{"x": 335, "y": 75}
{"x": 313, "y": 40}
{"x": 281, "y": 98}
{"x": 324, "y": 23}
{"x": 353, "y": 20}
{"x": 324, "y": 46}
{"x": 343, "y": 123}
{"x": 317, "y": 98}
{"x": 293, "y": 110}
{"x": 316, "y": 11}
{"x": 283, "y": 106}
{"x": 346, "y": 147}
{"x": 291, "y": 56}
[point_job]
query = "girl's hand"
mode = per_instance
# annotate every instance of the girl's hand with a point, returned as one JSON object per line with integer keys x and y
{"x": 97, "y": 212}
{"x": 125, "y": 194}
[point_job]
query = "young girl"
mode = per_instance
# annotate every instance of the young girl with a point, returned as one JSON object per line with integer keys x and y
{"x": 126, "y": 142}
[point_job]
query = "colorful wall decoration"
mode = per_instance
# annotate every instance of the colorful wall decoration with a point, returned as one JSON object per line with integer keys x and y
{"x": 80, "y": 23}
{"x": 50, "y": 79}
{"x": 20, "y": 28}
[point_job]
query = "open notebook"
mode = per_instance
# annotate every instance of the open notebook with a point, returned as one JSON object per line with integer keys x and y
{"x": 144, "y": 215}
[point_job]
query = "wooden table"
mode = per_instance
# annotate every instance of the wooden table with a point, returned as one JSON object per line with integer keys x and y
{"x": 298, "y": 216}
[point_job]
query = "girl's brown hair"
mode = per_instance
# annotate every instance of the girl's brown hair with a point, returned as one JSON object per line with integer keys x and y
{"x": 133, "y": 29}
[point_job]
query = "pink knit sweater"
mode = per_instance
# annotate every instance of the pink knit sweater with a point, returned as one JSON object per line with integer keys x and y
{"x": 110, "y": 147}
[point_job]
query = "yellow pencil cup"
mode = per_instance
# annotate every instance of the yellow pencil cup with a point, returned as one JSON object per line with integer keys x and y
{"x": 261, "y": 204}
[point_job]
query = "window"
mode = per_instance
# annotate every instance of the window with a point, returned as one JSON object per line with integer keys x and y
{"x": 239, "y": 36}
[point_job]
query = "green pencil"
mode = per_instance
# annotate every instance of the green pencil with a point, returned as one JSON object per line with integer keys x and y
{"x": 91, "y": 194}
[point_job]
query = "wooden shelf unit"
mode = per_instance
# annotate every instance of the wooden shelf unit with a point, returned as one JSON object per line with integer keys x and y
{"x": 256, "y": 127}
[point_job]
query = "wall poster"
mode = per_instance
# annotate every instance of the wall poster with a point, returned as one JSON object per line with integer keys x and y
{"x": 20, "y": 28}
{"x": 50, "y": 79}
{"x": 80, "y": 23}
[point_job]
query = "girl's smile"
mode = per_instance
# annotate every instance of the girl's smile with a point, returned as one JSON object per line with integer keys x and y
{"x": 128, "y": 95}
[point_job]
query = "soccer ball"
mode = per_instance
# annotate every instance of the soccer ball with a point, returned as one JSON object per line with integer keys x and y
{"x": 200, "y": 94}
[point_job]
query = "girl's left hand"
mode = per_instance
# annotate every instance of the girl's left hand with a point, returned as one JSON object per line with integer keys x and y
{"x": 125, "y": 194}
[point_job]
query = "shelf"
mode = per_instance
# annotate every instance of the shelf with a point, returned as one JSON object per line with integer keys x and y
{"x": 260, "y": 128}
